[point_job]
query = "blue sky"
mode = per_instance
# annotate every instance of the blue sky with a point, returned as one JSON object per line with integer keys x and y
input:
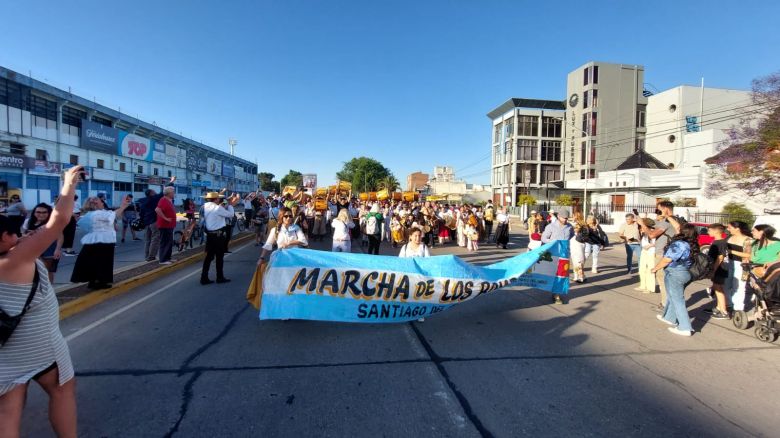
{"x": 307, "y": 85}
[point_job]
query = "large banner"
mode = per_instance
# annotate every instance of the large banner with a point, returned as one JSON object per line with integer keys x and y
{"x": 135, "y": 146}
{"x": 214, "y": 166}
{"x": 328, "y": 286}
{"x": 98, "y": 137}
{"x": 309, "y": 183}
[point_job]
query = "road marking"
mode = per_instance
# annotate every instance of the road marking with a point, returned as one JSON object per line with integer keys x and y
{"x": 124, "y": 309}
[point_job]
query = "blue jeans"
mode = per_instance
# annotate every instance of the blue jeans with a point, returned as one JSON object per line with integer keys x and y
{"x": 632, "y": 248}
{"x": 675, "y": 280}
{"x": 594, "y": 249}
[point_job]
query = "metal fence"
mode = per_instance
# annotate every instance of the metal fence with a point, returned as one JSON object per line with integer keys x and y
{"x": 721, "y": 218}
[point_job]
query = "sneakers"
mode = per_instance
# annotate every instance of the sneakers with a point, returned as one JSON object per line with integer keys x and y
{"x": 594, "y": 271}
{"x": 717, "y": 314}
{"x": 70, "y": 253}
{"x": 679, "y": 332}
{"x": 661, "y": 318}
{"x": 166, "y": 263}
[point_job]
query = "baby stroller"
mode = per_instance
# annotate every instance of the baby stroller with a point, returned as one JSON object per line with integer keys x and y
{"x": 766, "y": 291}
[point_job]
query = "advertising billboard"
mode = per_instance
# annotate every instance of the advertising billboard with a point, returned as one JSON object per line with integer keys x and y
{"x": 181, "y": 157}
{"x": 158, "y": 151}
{"x": 134, "y": 146}
{"x": 171, "y": 152}
{"x": 196, "y": 160}
{"x": 228, "y": 170}
{"x": 214, "y": 166}
{"x": 98, "y": 137}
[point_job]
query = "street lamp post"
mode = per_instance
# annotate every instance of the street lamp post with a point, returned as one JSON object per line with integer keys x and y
{"x": 232, "y": 142}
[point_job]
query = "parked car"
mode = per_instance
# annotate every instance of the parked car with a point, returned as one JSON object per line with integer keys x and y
{"x": 704, "y": 238}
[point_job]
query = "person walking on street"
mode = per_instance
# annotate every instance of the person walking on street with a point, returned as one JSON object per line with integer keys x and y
{"x": 662, "y": 233}
{"x": 631, "y": 236}
{"x": 502, "y": 229}
{"x": 676, "y": 259}
{"x": 166, "y": 223}
{"x": 373, "y": 220}
{"x": 646, "y": 258}
{"x": 560, "y": 229}
{"x": 490, "y": 215}
{"x": 35, "y": 349}
{"x": 215, "y": 216}
{"x": 595, "y": 243}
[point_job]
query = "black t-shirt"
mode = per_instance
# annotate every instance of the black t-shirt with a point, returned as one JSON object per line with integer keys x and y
{"x": 719, "y": 248}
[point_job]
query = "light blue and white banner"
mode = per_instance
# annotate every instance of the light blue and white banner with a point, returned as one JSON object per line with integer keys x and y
{"x": 326, "y": 286}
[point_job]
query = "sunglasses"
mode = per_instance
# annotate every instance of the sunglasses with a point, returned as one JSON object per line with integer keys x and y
{"x": 287, "y": 216}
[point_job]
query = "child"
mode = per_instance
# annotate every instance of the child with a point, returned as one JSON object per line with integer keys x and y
{"x": 471, "y": 234}
{"x": 534, "y": 241}
{"x": 396, "y": 230}
{"x": 718, "y": 253}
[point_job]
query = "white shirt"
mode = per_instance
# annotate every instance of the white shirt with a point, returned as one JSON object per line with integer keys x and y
{"x": 283, "y": 235}
{"x": 247, "y": 204}
{"x": 501, "y": 218}
{"x": 422, "y": 251}
{"x": 215, "y": 215}
{"x": 341, "y": 230}
{"x": 101, "y": 227}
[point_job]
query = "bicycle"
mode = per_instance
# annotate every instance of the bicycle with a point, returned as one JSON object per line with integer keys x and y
{"x": 240, "y": 221}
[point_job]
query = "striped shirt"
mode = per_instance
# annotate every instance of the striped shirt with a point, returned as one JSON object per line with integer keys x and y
{"x": 37, "y": 341}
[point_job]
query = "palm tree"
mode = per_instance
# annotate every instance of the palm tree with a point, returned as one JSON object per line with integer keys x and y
{"x": 388, "y": 183}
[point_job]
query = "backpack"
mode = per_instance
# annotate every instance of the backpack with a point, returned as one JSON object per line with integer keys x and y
{"x": 372, "y": 225}
{"x": 701, "y": 267}
{"x": 489, "y": 214}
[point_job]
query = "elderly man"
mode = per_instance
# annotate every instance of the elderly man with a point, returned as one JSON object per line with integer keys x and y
{"x": 215, "y": 217}
{"x": 559, "y": 229}
{"x": 149, "y": 218}
{"x": 166, "y": 223}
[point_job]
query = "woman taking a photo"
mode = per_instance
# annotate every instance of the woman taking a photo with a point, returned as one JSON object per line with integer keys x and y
{"x": 35, "y": 350}
{"x": 51, "y": 257}
{"x": 95, "y": 263}
{"x": 677, "y": 259}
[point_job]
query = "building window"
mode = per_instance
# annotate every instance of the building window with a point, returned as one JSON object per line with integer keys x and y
{"x": 497, "y": 134}
{"x": 584, "y": 124}
{"x": 155, "y": 171}
{"x": 197, "y": 177}
{"x": 595, "y": 97}
{"x": 640, "y": 144}
{"x": 551, "y": 150}
{"x": 585, "y": 96}
{"x": 140, "y": 169}
{"x": 591, "y": 172}
{"x": 593, "y": 123}
{"x": 40, "y": 154}
{"x": 509, "y": 128}
{"x": 17, "y": 149}
{"x": 593, "y": 152}
{"x": 497, "y": 154}
{"x": 551, "y": 127}
{"x": 528, "y": 126}
{"x": 640, "y": 119}
{"x": 102, "y": 121}
{"x": 583, "y": 151}
{"x": 595, "y": 74}
{"x": 122, "y": 186}
{"x": 101, "y": 164}
{"x": 74, "y": 160}
{"x": 170, "y": 174}
{"x": 526, "y": 149}
{"x": 550, "y": 172}
{"x": 586, "y": 76}
{"x": 72, "y": 117}
{"x": 122, "y": 167}
{"x": 44, "y": 109}
{"x": 526, "y": 174}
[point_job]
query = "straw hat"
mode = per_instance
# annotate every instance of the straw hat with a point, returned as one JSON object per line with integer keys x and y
{"x": 212, "y": 195}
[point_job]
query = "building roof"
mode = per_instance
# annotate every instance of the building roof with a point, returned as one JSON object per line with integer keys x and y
{"x": 641, "y": 160}
{"x": 516, "y": 102}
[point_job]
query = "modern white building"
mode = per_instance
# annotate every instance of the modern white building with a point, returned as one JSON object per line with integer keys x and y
{"x": 677, "y": 116}
{"x": 605, "y": 117}
{"x": 527, "y": 151}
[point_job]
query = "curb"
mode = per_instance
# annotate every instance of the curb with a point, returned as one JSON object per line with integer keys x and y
{"x": 94, "y": 298}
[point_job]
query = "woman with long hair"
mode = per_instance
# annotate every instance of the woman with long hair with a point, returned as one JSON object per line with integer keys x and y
{"x": 95, "y": 263}
{"x": 595, "y": 243}
{"x": 646, "y": 257}
{"x": 286, "y": 235}
{"x": 51, "y": 257}
{"x": 677, "y": 259}
{"x": 342, "y": 238}
{"x": 739, "y": 244}
{"x": 577, "y": 247}
{"x": 35, "y": 349}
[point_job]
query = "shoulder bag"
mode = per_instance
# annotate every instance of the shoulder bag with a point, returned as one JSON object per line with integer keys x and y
{"x": 9, "y": 323}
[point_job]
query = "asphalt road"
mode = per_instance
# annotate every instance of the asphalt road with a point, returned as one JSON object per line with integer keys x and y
{"x": 179, "y": 359}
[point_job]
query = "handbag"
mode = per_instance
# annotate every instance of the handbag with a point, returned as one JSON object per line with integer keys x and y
{"x": 9, "y": 323}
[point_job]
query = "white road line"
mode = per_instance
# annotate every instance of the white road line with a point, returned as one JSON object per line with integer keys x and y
{"x": 124, "y": 309}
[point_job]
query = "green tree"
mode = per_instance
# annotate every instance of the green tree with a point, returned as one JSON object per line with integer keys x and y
{"x": 390, "y": 183}
{"x": 267, "y": 183}
{"x": 564, "y": 201}
{"x": 526, "y": 200}
{"x": 293, "y": 178}
{"x": 738, "y": 212}
{"x": 364, "y": 173}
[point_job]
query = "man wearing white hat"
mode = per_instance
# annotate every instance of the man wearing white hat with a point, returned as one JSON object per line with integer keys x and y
{"x": 215, "y": 218}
